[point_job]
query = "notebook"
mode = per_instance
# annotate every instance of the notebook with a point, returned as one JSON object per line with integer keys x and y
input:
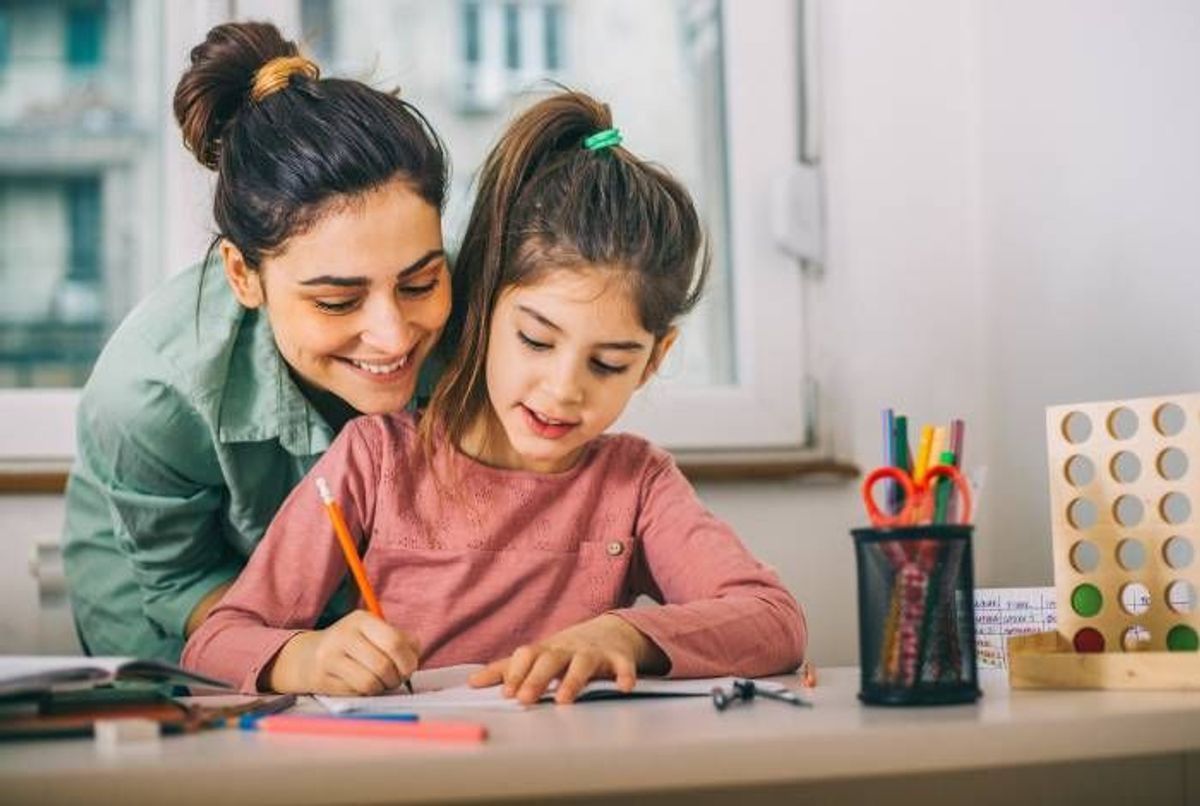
{"x": 32, "y": 674}
{"x": 447, "y": 688}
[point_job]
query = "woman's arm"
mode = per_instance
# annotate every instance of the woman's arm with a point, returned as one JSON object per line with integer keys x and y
{"x": 205, "y": 606}
{"x": 143, "y": 536}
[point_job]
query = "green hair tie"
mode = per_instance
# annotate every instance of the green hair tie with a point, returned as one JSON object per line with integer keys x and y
{"x": 603, "y": 139}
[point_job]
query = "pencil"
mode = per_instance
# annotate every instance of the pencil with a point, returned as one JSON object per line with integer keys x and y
{"x": 334, "y": 510}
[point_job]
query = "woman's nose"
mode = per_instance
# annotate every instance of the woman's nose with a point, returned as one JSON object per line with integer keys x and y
{"x": 386, "y": 329}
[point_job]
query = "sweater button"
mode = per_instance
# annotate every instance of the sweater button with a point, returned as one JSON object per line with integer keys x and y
{"x": 615, "y": 548}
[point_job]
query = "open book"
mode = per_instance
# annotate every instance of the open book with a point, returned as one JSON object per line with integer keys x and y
{"x": 33, "y": 674}
{"x": 447, "y": 688}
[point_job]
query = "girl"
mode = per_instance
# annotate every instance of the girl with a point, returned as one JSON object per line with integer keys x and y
{"x": 216, "y": 395}
{"x": 504, "y": 525}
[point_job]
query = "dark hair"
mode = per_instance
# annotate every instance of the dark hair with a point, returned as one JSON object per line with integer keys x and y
{"x": 545, "y": 202}
{"x": 284, "y": 160}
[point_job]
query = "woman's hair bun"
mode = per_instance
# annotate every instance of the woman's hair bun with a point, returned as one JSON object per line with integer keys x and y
{"x": 217, "y": 84}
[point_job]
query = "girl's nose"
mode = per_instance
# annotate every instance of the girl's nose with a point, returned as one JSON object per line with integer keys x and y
{"x": 563, "y": 384}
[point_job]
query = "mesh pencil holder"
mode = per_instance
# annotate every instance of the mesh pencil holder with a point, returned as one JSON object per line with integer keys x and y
{"x": 916, "y": 615}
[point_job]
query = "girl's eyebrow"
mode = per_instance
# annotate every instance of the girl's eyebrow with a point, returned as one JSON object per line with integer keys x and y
{"x": 627, "y": 346}
{"x": 355, "y": 282}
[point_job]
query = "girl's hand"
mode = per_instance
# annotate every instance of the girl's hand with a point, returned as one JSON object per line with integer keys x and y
{"x": 604, "y": 647}
{"x": 358, "y": 654}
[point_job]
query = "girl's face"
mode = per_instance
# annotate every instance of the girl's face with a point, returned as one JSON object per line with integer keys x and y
{"x": 357, "y": 302}
{"x": 564, "y": 356}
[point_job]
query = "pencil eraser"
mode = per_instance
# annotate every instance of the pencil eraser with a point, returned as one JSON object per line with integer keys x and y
{"x": 120, "y": 735}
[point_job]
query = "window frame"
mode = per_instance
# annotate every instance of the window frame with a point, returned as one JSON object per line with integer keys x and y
{"x": 763, "y": 410}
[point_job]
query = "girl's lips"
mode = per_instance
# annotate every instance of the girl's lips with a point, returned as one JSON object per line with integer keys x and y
{"x": 544, "y": 429}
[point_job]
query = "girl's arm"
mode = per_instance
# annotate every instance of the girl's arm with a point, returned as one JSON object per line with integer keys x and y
{"x": 724, "y": 612}
{"x": 295, "y": 569}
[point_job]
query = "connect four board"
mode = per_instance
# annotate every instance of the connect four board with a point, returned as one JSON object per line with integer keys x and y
{"x": 1124, "y": 498}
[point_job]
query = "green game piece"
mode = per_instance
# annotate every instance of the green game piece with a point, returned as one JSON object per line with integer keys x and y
{"x": 1182, "y": 638}
{"x": 1086, "y": 600}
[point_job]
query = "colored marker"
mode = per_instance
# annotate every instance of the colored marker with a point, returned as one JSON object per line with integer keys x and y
{"x": 248, "y": 721}
{"x": 322, "y": 725}
{"x": 922, "y": 465}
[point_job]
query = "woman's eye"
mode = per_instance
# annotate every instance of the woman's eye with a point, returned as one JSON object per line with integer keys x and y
{"x": 418, "y": 290}
{"x": 531, "y": 344}
{"x": 336, "y": 307}
{"x": 601, "y": 368}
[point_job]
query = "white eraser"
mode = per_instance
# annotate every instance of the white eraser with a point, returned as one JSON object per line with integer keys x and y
{"x": 113, "y": 735}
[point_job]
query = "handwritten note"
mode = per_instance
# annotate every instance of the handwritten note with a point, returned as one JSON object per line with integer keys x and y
{"x": 1001, "y": 612}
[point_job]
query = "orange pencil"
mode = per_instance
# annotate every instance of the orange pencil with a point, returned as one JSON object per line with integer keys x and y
{"x": 351, "y": 553}
{"x": 347, "y": 543}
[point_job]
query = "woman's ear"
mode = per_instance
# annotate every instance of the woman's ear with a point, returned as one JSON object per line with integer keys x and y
{"x": 658, "y": 354}
{"x": 245, "y": 281}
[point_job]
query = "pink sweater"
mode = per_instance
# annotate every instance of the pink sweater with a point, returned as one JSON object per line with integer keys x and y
{"x": 475, "y": 561}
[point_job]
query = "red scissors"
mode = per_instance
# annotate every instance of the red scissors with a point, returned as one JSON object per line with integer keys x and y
{"x": 919, "y": 496}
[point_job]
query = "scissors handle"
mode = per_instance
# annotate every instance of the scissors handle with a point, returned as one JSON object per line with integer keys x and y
{"x": 961, "y": 488}
{"x": 917, "y": 497}
{"x": 880, "y": 518}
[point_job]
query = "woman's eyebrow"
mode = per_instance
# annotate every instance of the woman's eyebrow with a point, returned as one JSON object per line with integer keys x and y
{"x": 355, "y": 282}
{"x": 627, "y": 346}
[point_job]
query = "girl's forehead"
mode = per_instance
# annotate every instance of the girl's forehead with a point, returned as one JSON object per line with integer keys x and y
{"x": 595, "y": 296}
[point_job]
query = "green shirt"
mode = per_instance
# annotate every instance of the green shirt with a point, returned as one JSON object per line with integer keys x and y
{"x": 191, "y": 432}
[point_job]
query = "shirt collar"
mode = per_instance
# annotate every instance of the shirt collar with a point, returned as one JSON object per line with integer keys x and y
{"x": 260, "y": 401}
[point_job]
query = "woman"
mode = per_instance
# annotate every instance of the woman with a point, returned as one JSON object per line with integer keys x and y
{"x": 214, "y": 397}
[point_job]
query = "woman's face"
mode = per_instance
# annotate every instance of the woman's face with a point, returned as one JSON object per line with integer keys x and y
{"x": 358, "y": 302}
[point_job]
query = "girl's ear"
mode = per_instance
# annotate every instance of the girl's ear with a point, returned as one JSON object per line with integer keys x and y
{"x": 658, "y": 354}
{"x": 245, "y": 281}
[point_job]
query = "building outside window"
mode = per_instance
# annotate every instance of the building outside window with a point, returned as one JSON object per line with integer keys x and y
{"x": 79, "y": 102}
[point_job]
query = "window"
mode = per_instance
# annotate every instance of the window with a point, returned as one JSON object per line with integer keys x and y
{"x": 4, "y": 36}
{"x": 470, "y": 38}
{"x": 512, "y": 37}
{"x": 85, "y": 35}
{"x": 687, "y": 82}
{"x": 504, "y": 47}
{"x": 79, "y": 202}
{"x": 696, "y": 85}
{"x": 552, "y": 46}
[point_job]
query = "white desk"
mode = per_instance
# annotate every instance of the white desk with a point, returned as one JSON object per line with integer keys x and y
{"x": 1012, "y": 747}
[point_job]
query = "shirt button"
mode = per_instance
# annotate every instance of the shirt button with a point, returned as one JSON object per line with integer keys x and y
{"x": 615, "y": 548}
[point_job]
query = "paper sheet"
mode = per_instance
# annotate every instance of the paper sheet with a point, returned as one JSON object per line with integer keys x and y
{"x": 447, "y": 688}
{"x": 1001, "y": 612}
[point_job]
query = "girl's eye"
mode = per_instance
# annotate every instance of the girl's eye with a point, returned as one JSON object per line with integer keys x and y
{"x": 336, "y": 307}
{"x": 418, "y": 290}
{"x": 531, "y": 344}
{"x": 601, "y": 368}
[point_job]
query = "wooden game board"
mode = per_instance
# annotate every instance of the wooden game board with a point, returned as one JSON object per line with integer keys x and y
{"x": 1125, "y": 520}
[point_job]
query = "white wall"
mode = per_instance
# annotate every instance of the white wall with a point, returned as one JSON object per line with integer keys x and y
{"x": 1089, "y": 131}
{"x": 1012, "y": 192}
{"x": 1014, "y": 200}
